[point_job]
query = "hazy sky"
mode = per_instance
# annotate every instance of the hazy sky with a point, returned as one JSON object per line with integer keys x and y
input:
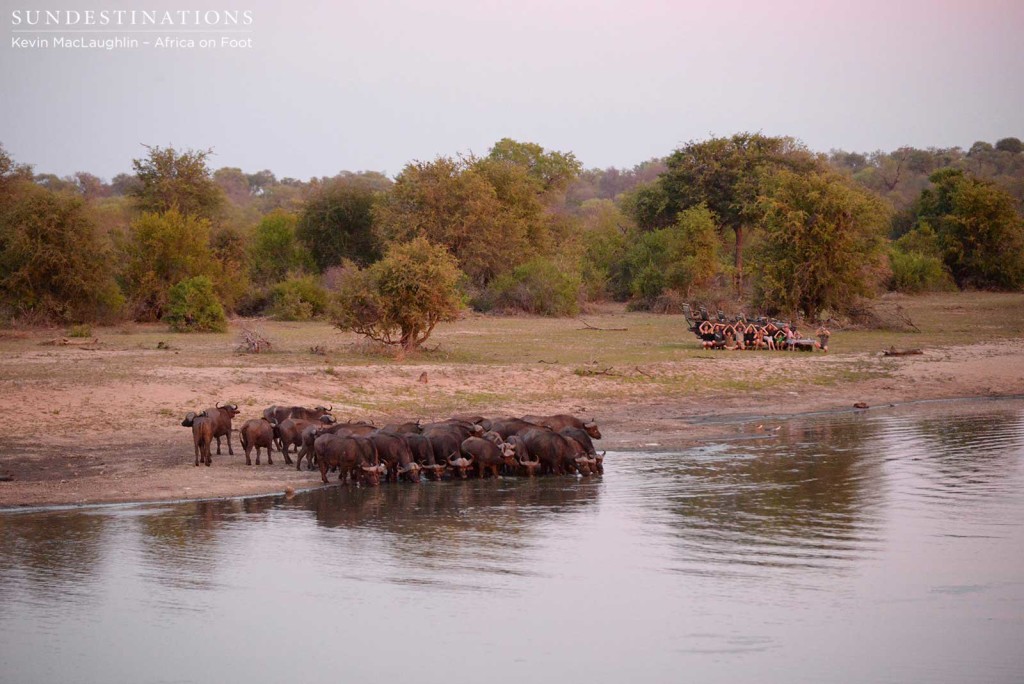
{"x": 374, "y": 84}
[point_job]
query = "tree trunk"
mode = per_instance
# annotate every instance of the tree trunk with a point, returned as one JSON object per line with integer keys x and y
{"x": 738, "y": 263}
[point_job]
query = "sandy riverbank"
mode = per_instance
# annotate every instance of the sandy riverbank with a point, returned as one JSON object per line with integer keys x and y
{"x": 106, "y": 426}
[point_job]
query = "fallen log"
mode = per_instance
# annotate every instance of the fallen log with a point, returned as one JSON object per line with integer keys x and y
{"x": 893, "y": 351}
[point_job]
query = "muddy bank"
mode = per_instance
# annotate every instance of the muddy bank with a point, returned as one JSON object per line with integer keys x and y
{"x": 114, "y": 436}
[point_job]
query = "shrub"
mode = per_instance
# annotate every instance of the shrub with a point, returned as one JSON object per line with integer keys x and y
{"x": 916, "y": 272}
{"x": 193, "y": 306}
{"x": 399, "y": 299}
{"x": 300, "y": 298}
{"x": 537, "y": 287}
{"x": 54, "y": 264}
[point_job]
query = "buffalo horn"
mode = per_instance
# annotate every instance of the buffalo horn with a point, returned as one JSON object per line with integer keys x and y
{"x": 217, "y": 405}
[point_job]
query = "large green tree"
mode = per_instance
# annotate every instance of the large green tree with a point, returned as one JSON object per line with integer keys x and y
{"x": 167, "y": 179}
{"x": 726, "y": 174}
{"x": 980, "y": 234}
{"x": 823, "y": 243}
{"x": 451, "y": 203}
{"x": 337, "y": 221}
{"x": 552, "y": 170}
{"x": 159, "y": 251}
{"x": 275, "y": 251}
{"x": 54, "y": 265}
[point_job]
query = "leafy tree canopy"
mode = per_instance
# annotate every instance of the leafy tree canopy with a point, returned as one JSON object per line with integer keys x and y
{"x": 336, "y": 224}
{"x": 167, "y": 179}
{"x": 401, "y": 298}
{"x": 823, "y": 243}
{"x": 980, "y": 234}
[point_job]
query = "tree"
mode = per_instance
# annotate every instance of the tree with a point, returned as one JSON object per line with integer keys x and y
{"x": 726, "y": 175}
{"x": 53, "y": 263}
{"x": 159, "y": 251}
{"x": 169, "y": 180}
{"x": 552, "y": 170}
{"x": 275, "y": 250}
{"x": 1011, "y": 145}
{"x": 193, "y": 307}
{"x": 401, "y": 298}
{"x": 337, "y": 222}
{"x": 234, "y": 184}
{"x": 823, "y": 243}
{"x": 980, "y": 233}
{"x": 684, "y": 257}
{"x": 451, "y": 203}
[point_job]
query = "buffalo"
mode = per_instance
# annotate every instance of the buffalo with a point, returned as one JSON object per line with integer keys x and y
{"x": 354, "y": 457}
{"x": 220, "y": 417}
{"x": 561, "y": 421}
{"x": 202, "y": 434}
{"x": 487, "y": 455}
{"x": 257, "y": 433}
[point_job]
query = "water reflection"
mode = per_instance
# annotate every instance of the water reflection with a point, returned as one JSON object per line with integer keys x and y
{"x": 43, "y": 556}
{"x": 728, "y": 561}
{"x": 805, "y": 497}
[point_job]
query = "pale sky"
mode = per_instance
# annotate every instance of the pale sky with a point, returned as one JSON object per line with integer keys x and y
{"x": 374, "y": 84}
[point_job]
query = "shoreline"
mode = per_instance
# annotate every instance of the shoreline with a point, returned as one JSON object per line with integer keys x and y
{"x": 713, "y": 424}
{"x": 100, "y": 423}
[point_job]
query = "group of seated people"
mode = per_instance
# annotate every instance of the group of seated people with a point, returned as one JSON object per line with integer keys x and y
{"x": 749, "y": 335}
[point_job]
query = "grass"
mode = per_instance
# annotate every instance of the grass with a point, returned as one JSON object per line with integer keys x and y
{"x": 555, "y": 360}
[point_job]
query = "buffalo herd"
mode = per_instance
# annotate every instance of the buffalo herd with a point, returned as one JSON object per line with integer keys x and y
{"x": 362, "y": 453}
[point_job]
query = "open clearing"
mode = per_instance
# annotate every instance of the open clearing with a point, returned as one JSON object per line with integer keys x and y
{"x": 99, "y": 422}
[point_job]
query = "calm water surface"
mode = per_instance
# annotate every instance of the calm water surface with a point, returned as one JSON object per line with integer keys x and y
{"x": 881, "y": 546}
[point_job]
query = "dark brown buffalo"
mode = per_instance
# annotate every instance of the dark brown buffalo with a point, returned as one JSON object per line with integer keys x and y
{"x": 506, "y": 427}
{"x": 445, "y": 443}
{"x": 393, "y": 451}
{"x": 257, "y": 433}
{"x": 595, "y": 460}
{"x": 526, "y": 465}
{"x": 220, "y": 417}
{"x": 557, "y": 454}
{"x": 202, "y": 434}
{"x": 461, "y": 465}
{"x": 325, "y": 425}
{"x": 289, "y": 434}
{"x": 423, "y": 453}
{"x": 484, "y": 423}
{"x": 463, "y": 427}
{"x": 487, "y": 455}
{"x": 563, "y": 420}
{"x": 353, "y": 456}
{"x": 403, "y": 428}
{"x": 283, "y": 413}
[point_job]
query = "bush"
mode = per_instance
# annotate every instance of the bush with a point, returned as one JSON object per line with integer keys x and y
{"x": 54, "y": 264}
{"x": 300, "y": 298}
{"x": 192, "y": 306}
{"x": 399, "y": 299}
{"x": 537, "y": 287}
{"x": 158, "y": 251}
{"x": 916, "y": 272}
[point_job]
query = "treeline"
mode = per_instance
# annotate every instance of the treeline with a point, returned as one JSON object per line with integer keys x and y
{"x": 750, "y": 218}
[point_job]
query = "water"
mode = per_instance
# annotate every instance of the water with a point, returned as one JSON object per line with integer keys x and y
{"x": 881, "y": 546}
